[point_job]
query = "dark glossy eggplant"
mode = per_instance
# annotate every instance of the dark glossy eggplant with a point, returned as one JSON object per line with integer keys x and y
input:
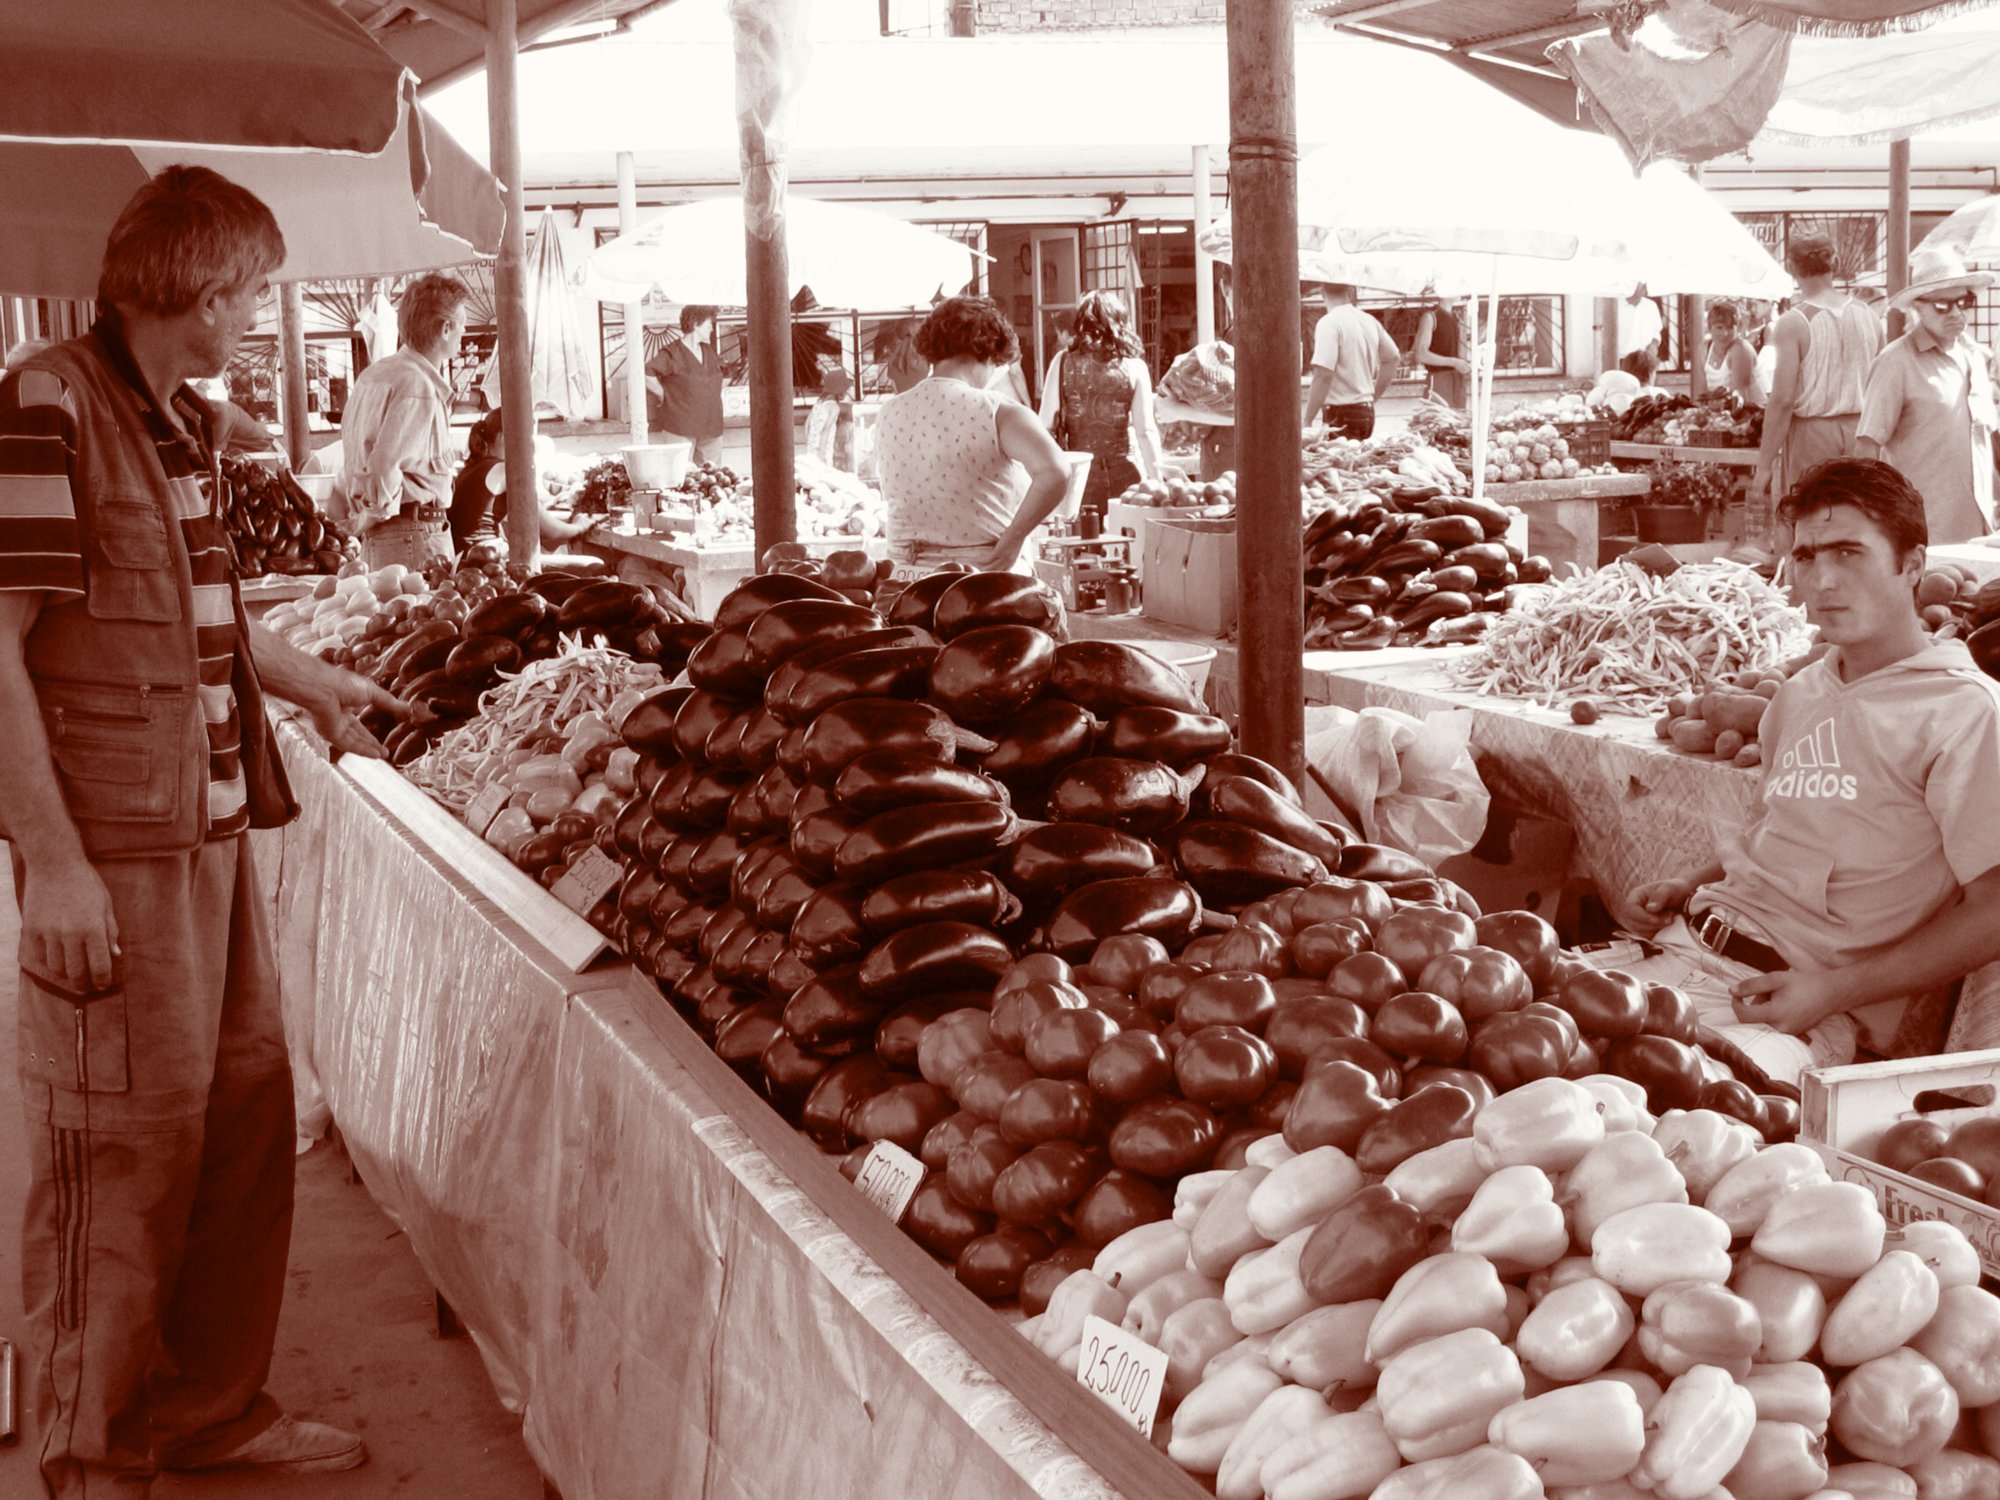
{"x": 789, "y": 889}
{"x": 1048, "y": 862}
{"x": 1038, "y": 742}
{"x": 648, "y": 725}
{"x": 758, "y": 748}
{"x": 922, "y": 838}
{"x": 683, "y": 930}
{"x": 843, "y": 1086}
{"x": 975, "y": 896}
{"x": 631, "y": 820}
{"x": 1164, "y": 734}
{"x": 1379, "y": 862}
{"x": 902, "y": 1029}
{"x": 886, "y": 672}
{"x": 852, "y": 728}
{"x": 724, "y": 749}
{"x": 995, "y": 599}
{"x": 726, "y": 922}
{"x": 705, "y": 804}
{"x": 878, "y": 780}
{"x": 778, "y": 688}
{"x": 507, "y": 614}
{"x": 1231, "y": 863}
{"x": 757, "y": 866}
{"x": 817, "y": 837}
{"x": 917, "y": 603}
{"x": 1238, "y": 799}
{"x": 1150, "y": 906}
{"x": 636, "y": 893}
{"x": 755, "y": 594}
{"x": 477, "y": 658}
{"x": 674, "y": 859}
{"x": 932, "y": 957}
{"x": 713, "y": 862}
{"x": 722, "y": 665}
{"x": 1235, "y": 763}
{"x": 700, "y": 714}
{"x": 741, "y": 1040}
{"x": 785, "y": 629}
{"x": 790, "y": 1072}
{"x": 833, "y": 1008}
{"x": 789, "y": 973}
{"x": 985, "y": 676}
{"x": 1133, "y": 796}
{"x": 828, "y": 928}
{"x": 1105, "y": 676}
{"x": 654, "y": 837}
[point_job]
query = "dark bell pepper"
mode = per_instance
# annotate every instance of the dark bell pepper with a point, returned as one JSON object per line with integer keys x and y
{"x": 1042, "y": 1182}
{"x": 1048, "y": 1109}
{"x": 993, "y": 1264}
{"x": 1227, "y": 997}
{"x": 899, "y": 1039}
{"x": 1362, "y": 1247}
{"x": 1434, "y": 1114}
{"x": 1300, "y": 1028}
{"x": 1370, "y": 980}
{"x": 1480, "y": 981}
{"x": 984, "y": 1085}
{"x": 1670, "y": 1072}
{"x": 940, "y": 1223}
{"x": 1365, "y": 1055}
{"x": 1336, "y": 1103}
{"x": 1117, "y": 1202}
{"x": 1016, "y": 1010}
{"x": 843, "y": 1086}
{"x": 1669, "y": 1013}
{"x": 1224, "y": 1067}
{"x": 976, "y": 1164}
{"x": 1732, "y": 1097}
{"x": 945, "y": 1137}
{"x": 1165, "y": 1138}
{"x": 1061, "y": 1042}
{"x": 903, "y": 1113}
{"x": 1425, "y": 1027}
{"x": 1604, "y": 1002}
{"x": 1476, "y": 1084}
{"x": 1519, "y": 1046}
{"x": 1131, "y": 1066}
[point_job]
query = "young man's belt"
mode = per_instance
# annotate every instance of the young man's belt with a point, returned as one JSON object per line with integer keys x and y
{"x": 1712, "y": 930}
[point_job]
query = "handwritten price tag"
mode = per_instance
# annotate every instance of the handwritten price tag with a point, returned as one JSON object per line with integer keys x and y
{"x": 1123, "y": 1371}
{"x": 589, "y": 880}
{"x": 889, "y": 1178}
{"x": 486, "y": 806}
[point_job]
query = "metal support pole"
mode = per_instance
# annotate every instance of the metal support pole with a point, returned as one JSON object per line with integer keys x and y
{"x": 1899, "y": 227}
{"x": 1204, "y": 265}
{"x": 510, "y": 287}
{"x": 1263, "y": 201}
{"x": 292, "y": 388}
{"x": 634, "y": 313}
{"x": 768, "y": 282}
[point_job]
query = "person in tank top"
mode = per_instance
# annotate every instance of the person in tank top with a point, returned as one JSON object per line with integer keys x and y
{"x": 1825, "y": 344}
{"x": 1728, "y": 360}
{"x": 1098, "y": 394}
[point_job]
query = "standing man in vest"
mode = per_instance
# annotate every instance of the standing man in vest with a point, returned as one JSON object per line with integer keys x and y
{"x": 1825, "y": 343}
{"x": 395, "y": 436}
{"x": 685, "y": 382}
{"x": 134, "y": 757}
{"x": 1353, "y": 363}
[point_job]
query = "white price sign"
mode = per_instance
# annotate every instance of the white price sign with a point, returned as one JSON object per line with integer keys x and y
{"x": 486, "y": 806}
{"x": 1123, "y": 1371}
{"x": 588, "y": 881}
{"x": 889, "y": 1178}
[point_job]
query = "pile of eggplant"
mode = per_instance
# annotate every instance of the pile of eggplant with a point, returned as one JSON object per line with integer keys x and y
{"x": 852, "y": 825}
{"x": 272, "y": 526}
{"x": 1417, "y": 567}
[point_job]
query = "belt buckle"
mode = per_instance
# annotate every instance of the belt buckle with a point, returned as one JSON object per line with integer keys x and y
{"x": 1713, "y": 932}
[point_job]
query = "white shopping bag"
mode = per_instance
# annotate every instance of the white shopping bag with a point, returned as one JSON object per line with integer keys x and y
{"x": 1406, "y": 782}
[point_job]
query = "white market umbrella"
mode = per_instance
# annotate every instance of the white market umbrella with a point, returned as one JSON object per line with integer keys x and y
{"x": 560, "y": 368}
{"x": 849, "y": 256}
{"x": 1972, "y": 230}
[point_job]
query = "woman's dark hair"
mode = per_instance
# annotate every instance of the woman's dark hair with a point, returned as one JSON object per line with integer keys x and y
{"x": 1878, "y": 490}
{"x": 1102, "y": 326}
{"x": 1641, "y": 363}
{"x": 1809, "y": 254}
{"x": 1721, "y": 311}
{"x": 484, "y": 439}
{"x": 694, "y": 315}
{"x": 968, "y": 328}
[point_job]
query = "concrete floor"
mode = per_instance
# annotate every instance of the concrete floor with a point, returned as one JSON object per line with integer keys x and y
{"x": 357, "y": 1345}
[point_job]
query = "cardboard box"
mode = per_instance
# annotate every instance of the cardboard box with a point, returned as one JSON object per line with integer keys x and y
{"x": 1845, "y": 1111}
{"x": 1188, "y": 573}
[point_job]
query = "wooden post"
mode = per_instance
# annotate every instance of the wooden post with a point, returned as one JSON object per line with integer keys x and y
{"x": 510, "y": 288}
{"x": 292, "y": 385}
{"x": 1898, "y": 252}
{"x": 768, "y": 283}
{"x": 1204, "y": 265}
{"x": 634, "y": 313}
{"x": 1264, "y": 208}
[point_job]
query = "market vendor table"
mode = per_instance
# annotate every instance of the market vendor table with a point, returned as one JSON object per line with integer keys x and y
{"x": 1562, "y": 513}
{"x": 678, "y": 1293}
{"x": 702, "y": 575}
{"x": 1686, "y": 453}
{"x": 1642, "y": 811}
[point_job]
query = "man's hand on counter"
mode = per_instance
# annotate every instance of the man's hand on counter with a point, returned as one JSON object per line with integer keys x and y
{"x": 334, "y": 697}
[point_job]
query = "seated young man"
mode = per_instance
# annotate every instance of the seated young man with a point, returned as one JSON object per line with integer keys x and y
{"x": 1871, "y": 872}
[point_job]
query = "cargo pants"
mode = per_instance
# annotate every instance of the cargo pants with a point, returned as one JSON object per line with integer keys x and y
{"x": 160, "y": 1200}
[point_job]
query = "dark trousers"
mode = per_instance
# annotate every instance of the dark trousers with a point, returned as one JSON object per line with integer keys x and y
{"x": 1351, "y": 419}
{"x": 160, "y": 1199}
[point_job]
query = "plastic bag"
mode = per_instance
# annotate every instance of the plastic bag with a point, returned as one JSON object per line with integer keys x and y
{"x": 1204, "y": 378}
{"x": 1406, "y": 782}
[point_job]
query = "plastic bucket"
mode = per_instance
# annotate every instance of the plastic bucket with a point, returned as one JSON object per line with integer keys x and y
{"x": 656, "y": 466}
{"x": 1192, "y": 659}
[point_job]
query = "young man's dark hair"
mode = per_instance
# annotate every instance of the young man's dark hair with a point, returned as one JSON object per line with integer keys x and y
{"x": 1809, "y": 255}
{"x": 1878, "y": 490}
{"x": 968, "y": 328}
{"x": 694, "y": 315}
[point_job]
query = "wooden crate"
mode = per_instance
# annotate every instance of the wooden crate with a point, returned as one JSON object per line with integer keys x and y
{"x": 1845, "y": 1111}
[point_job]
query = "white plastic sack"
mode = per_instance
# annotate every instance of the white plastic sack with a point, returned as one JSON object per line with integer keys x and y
{"x": 1406, "y": 782}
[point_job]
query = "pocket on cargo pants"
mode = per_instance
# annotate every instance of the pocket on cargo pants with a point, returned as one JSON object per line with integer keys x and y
{"x": 76, "y": 1044}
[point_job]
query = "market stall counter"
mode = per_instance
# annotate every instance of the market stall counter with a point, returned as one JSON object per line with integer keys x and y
{"x": 701, "y": 574}
{"x": 676, "y": 1290}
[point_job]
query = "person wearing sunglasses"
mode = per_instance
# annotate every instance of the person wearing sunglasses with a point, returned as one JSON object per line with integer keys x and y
{"x": 1928, "y": 407}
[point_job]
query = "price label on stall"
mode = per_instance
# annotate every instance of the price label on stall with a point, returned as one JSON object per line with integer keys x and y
{"x": 486, "y": 806}
{"x": 1123, "y": 1371}
{"x": 889, "y": 1178}
{"x": 588, "y": 881}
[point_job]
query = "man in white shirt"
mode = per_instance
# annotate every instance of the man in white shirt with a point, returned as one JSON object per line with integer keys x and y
{"x": 1353, "y": 362}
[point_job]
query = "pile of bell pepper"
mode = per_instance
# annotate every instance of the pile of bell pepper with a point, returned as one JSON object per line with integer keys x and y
{"x": 1574, "y": 1298}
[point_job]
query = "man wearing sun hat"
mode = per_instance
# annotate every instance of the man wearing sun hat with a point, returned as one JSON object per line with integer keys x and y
{"x": 1928, "y": 407}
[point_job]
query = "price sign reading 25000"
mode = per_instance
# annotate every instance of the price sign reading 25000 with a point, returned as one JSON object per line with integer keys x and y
{"x": 1122, "y": 1371}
